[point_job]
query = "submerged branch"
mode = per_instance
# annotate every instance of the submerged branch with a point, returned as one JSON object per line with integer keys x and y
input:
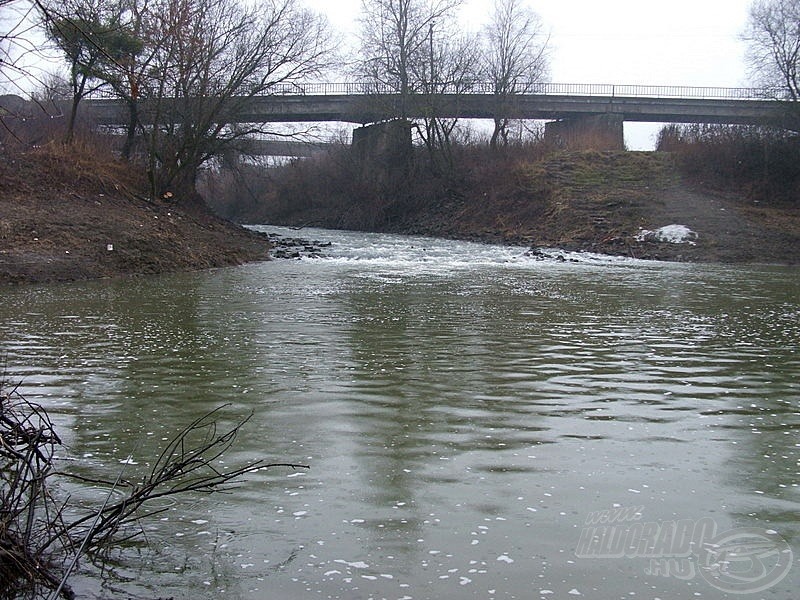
{"x": 36, "y": 536}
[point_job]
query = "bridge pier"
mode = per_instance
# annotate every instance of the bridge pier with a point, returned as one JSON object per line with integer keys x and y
{"x": 384, "y": 149}
{"x": 387, "y": 144}
{"x": 587, "y": 132}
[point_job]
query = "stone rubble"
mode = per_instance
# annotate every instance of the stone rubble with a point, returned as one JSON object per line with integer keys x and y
{"x": 290, "y": 247}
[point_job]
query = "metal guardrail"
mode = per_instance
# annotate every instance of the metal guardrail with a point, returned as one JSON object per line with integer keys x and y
{"x": 542, "y": 89}
{"x": 546, "y": 89}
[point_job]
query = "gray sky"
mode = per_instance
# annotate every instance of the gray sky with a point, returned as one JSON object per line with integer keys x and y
{"x": 655, "y": 42}
{"x": 669, "y": 42}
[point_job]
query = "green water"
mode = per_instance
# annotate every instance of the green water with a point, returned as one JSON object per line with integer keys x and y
{"x": 466, "y": 413}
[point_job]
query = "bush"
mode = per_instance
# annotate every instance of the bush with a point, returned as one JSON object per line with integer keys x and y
{"x": 763, "y": 162}
{"x": 341, "y": 189}
{"x": 42, "y": 537}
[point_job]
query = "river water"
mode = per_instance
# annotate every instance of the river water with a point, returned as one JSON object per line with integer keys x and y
{"x": 467, "y": 414}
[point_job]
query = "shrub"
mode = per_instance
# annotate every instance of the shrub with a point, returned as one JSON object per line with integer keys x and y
{"x": 341, "y": 189}
{"x": 763, "y": 162}
{"x": 42, "y": 536}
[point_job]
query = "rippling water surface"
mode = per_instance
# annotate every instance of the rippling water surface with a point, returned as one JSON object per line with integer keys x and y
{"x": 466, "y": 411}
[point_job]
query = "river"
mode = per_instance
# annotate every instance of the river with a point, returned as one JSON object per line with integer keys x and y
{"x": 468, "y": 413}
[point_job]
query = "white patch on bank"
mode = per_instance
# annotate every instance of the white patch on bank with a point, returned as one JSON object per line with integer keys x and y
{"x": 671, "y": 234}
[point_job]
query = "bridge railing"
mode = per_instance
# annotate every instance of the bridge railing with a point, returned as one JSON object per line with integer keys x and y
{"x": 548, "y": 89}
{"x": 543, "y": 89}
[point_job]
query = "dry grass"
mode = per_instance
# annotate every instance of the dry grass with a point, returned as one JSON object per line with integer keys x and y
{"x": 85, "y": 165}
{"x": 60, "y": 207}
{"x": 764, "y": 163}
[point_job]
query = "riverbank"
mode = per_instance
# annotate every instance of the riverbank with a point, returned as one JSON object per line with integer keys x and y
{"x": 72, "y": 217}
{"x": 607, "y": 202}
{"x": 587, "y": 201}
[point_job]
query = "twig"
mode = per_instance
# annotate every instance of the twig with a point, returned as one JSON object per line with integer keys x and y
{"x": 34, "y": 529}
{"x": 83, "y": 545}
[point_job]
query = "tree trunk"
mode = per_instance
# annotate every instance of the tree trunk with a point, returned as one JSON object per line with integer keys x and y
{"x": 177, "y": 184}
{"x": 130, "y": 134}
{"x": 500, "y": 133}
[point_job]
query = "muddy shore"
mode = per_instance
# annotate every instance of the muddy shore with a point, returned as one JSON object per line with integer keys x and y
{"x": 65, "y": 222}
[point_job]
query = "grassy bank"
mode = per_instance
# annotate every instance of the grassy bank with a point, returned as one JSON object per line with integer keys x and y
{"x": 74, "y": 212}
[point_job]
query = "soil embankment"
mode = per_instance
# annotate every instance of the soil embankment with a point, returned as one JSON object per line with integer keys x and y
{"x": 67, "y": 219}
{"x": 64, "y": 218}
{"x": 601, "y": 202}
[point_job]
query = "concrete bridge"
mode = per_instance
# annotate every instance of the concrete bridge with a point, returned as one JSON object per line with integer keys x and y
{"x": 579, "y": 115}
{"x": 362, "y": 103}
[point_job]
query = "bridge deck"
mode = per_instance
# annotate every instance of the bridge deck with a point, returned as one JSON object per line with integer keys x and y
{"x": 367, "y": 109}
{"x": 353, "y": 103}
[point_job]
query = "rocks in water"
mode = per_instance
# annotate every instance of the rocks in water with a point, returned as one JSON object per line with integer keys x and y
{"x": 288, "y": 247}
{"x": 550, "y": 255}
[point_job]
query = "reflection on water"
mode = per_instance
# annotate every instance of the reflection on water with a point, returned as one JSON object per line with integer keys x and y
{"x": 463, "y": 408}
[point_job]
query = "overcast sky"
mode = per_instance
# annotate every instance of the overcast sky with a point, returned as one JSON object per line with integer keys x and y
{"x": 656, "y": 42}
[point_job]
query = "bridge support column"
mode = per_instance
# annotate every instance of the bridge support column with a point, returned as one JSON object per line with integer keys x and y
{"x": 591, "y": 132}
{"x": 386, "y": 144}
{"x": 231, "y": 158}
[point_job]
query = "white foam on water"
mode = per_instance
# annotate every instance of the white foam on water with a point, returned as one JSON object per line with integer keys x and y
{"x": 399, "y": 255}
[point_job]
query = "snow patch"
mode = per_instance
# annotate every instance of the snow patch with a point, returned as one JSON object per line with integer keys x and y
{"x": 671, "y": 234}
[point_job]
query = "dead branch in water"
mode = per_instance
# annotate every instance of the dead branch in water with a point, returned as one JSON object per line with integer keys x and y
{"x": 37, "y": 539}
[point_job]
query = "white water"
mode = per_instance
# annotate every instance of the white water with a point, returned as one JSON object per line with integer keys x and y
{"x": 416, "y": 253}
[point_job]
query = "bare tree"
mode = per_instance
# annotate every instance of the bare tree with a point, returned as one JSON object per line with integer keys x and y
{"x": 19, "y": 47}
{"x": 6, "y": 37}
{"x": 515, "y": 58}
{"x": 395, "y": 42}
{"x": 414, "y": 49}
{"x": 773, "y": 37}
{"x": 185, "y": 68}
{"x": 450, "y": 71}
{"x": 214, "y": 55}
